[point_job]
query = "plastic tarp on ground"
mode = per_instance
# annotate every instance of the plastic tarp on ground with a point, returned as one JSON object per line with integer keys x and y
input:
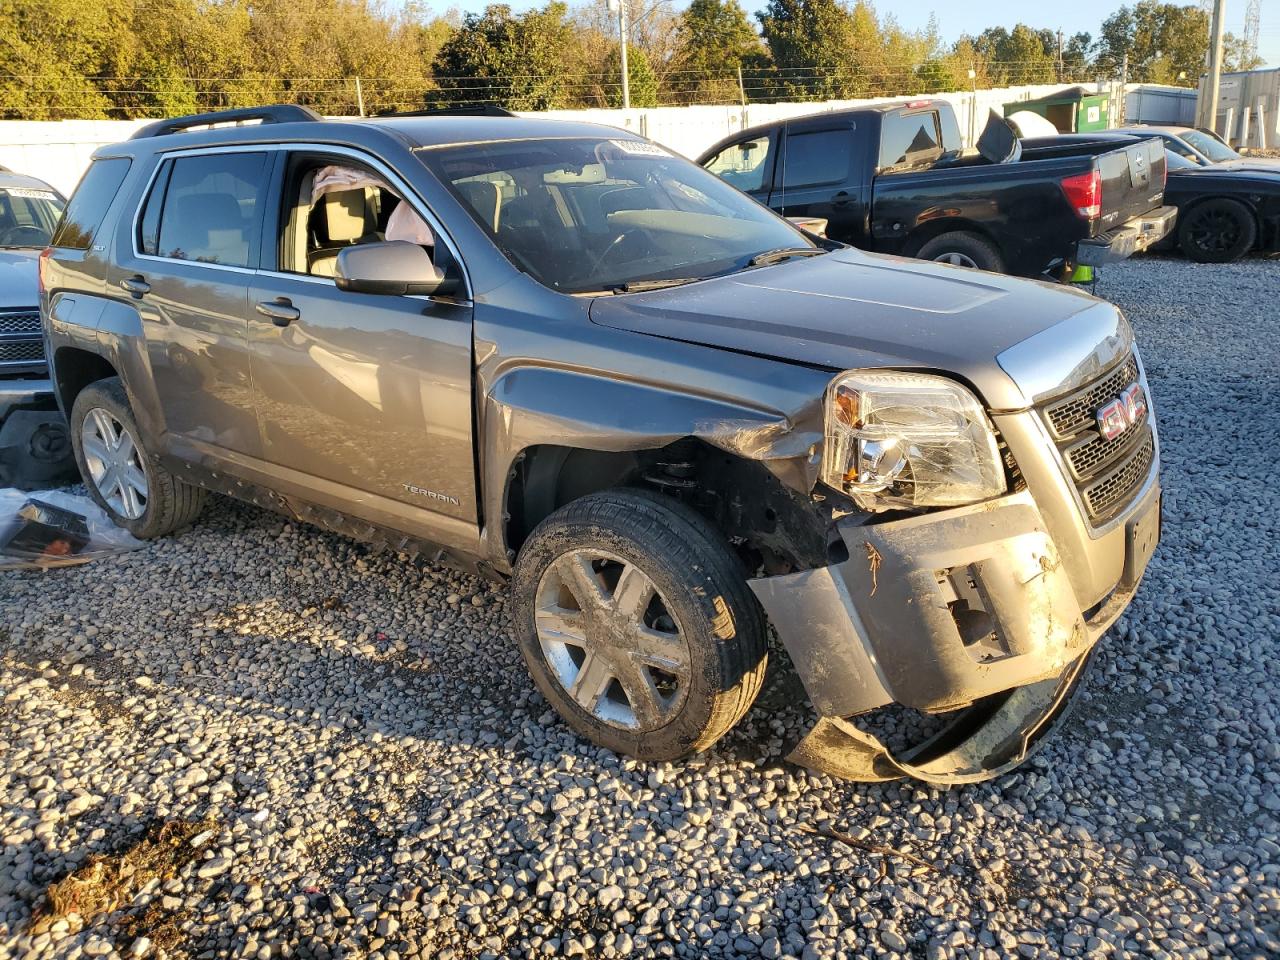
{"x": 56, "y": 528}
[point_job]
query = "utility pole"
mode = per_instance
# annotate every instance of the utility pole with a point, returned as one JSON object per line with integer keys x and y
{"x": 1209, "y": 99}
{"x": 360, "y": 96}
{"x": 1124, "y": 86}
{"x": 622, "y": 41}
{"x": 1060, "y": 66}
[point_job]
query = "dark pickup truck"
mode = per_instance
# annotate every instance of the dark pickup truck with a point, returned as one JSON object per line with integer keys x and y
{"x": 895, "y": 179}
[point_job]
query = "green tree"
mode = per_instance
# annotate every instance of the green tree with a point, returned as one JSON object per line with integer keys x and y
{"x": 1163, "y": 41}
{"x": 1020, "y": 56}
{"x": 716, "y": 40}
{"x": 50, "y": 49}
{"x": 823, "y": 49}
{"x": 1236, "y": 57}
{"x": 1076, "y": 60}
{"x": 809, "y": 41}
{"x": 643, "y": 82}
{"x": 516, "y": 61}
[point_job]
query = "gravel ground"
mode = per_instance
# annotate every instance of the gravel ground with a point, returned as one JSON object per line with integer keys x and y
{"x": 383, "y": 782}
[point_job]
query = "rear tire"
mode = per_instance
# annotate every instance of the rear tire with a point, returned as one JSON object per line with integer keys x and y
{"x": 137, "y": 493}
{"x": 962, "y": 248}
{"x": 1217, "y": 231}
{"x": 636, "y": 623}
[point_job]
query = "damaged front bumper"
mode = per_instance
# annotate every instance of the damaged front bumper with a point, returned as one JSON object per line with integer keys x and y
{"x": 968, "y": 610}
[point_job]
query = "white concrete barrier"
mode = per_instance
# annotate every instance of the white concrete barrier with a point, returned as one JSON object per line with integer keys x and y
{"x": 58, "y": 151}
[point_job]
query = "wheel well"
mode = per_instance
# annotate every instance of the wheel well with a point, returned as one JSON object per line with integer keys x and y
{"x": 775, "y": 528}
{"x": 936, "y": 228}
{"x": 74, "y": 370}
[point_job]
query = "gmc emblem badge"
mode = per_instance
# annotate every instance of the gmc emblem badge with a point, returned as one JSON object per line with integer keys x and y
{"x": 1122, "y": 413}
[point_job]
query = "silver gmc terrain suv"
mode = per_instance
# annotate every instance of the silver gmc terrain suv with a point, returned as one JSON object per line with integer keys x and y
{"x": 556, "y": 354}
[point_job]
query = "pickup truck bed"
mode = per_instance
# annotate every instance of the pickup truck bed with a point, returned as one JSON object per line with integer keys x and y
{"x": 1042, "y": 214}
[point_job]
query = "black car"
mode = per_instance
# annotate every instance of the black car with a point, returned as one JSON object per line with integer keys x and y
{"x": 1224, "y": 213}
{"x": 1225, "y": 210}
{"x": 893, "y": 178}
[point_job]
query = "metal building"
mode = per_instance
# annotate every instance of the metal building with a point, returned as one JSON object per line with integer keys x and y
{"x": 1248, "y": 108}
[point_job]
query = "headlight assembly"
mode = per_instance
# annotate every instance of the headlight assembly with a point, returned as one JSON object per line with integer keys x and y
{"x": 907, "y": 441}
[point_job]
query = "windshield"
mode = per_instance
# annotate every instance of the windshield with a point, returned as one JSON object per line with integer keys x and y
{"x": 1211, "y": 147}
{"x": 1176, "y": 161}
{"x": 583, "y": 214}
{"x": 27, "y": 216}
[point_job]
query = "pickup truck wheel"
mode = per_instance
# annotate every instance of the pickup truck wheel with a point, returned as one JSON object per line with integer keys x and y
{"x": 138, "y": 494}
{"x": 963, "y": 249}
{"x": 636, "y": 622}
{"x": 1217, "y": 231}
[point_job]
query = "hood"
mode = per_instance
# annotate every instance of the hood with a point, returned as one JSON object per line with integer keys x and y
{"x": 1233, "y": 173}
{"x": 850, "y": 309}
{"x": 1268, "y": 165}
{"x": 19, "y": 282}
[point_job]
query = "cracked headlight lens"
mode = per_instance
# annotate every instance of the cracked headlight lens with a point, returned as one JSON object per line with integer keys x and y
{"x": 908, "y": 440}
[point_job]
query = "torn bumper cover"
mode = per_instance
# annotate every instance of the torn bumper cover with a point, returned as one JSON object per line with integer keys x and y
{"x": 967, "y": 610}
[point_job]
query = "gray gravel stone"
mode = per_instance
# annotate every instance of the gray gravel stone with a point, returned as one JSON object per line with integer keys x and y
{"x": 386, "y": 783}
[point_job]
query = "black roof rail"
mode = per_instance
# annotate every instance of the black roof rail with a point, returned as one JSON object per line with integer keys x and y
{"x": 480, "y": 110}
{"x": 280, "y": 113}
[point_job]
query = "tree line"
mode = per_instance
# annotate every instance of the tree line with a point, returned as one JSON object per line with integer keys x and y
{"x": 146, "y": 58}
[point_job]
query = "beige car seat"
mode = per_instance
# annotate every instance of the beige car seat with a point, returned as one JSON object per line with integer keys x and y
{"x": 347, "y": 218}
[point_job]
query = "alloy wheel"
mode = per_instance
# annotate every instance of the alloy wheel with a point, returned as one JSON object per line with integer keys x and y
{"x": 114, "y": 462}
{"x": 956, "y": 260}
{"x": 1214, "y": 231}
{"x": 610, "y": 640}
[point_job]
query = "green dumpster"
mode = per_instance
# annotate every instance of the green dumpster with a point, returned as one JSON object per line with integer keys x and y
{"x": 1073, "y": 110}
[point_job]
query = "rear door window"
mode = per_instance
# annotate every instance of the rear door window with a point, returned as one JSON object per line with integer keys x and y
{"x": 83, "y": 215}
{"x": 207, "y": 209}
{"x": 909, "y": 138}
{"x": 816, "y": 158}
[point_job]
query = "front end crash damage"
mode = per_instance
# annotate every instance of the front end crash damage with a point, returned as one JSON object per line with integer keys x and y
{"x": 967, "y": 611}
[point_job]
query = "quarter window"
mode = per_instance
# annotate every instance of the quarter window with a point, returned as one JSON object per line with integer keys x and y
{"x": 206, "y": 209}
{"x": 814, "y": 158}
{"x": 89, "y": 203}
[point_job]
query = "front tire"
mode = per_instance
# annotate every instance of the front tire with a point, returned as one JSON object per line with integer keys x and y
{"x": 636, "y": 623}
{"x": 1217, "y": 231}
{"x": 137, "y": 493}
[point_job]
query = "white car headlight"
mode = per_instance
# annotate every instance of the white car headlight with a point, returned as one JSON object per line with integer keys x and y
{"x": 908, "y": 440}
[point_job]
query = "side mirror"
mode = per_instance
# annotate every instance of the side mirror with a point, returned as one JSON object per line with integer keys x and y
{"x": 395, "y": 267}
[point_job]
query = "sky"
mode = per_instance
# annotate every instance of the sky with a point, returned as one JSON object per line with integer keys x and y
{"x": 956, "y": 18}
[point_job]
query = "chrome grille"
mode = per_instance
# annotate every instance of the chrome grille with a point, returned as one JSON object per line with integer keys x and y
{"x": 1107, "y": 473}
{"x": 26, "y": 321}
{"x": 21, "y": 351}
{"x": 1087, "y": 456}
{"x": 1114, "y": 490}
{"x": 1072, "y": 414}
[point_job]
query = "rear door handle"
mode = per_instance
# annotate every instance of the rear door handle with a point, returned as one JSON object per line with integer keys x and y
{"x": 135, "y": 285}
{"x": 281, "y": 311}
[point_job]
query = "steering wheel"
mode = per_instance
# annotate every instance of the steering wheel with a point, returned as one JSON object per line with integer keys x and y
{"x": 24, "y": 237}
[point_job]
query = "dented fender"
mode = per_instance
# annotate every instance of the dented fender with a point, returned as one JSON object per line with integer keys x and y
{"x": 526, "y": 406}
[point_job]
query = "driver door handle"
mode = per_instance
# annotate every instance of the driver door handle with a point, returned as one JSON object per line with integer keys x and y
{"x": 281, "y": 311}
{"x": 135, "y": 285}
